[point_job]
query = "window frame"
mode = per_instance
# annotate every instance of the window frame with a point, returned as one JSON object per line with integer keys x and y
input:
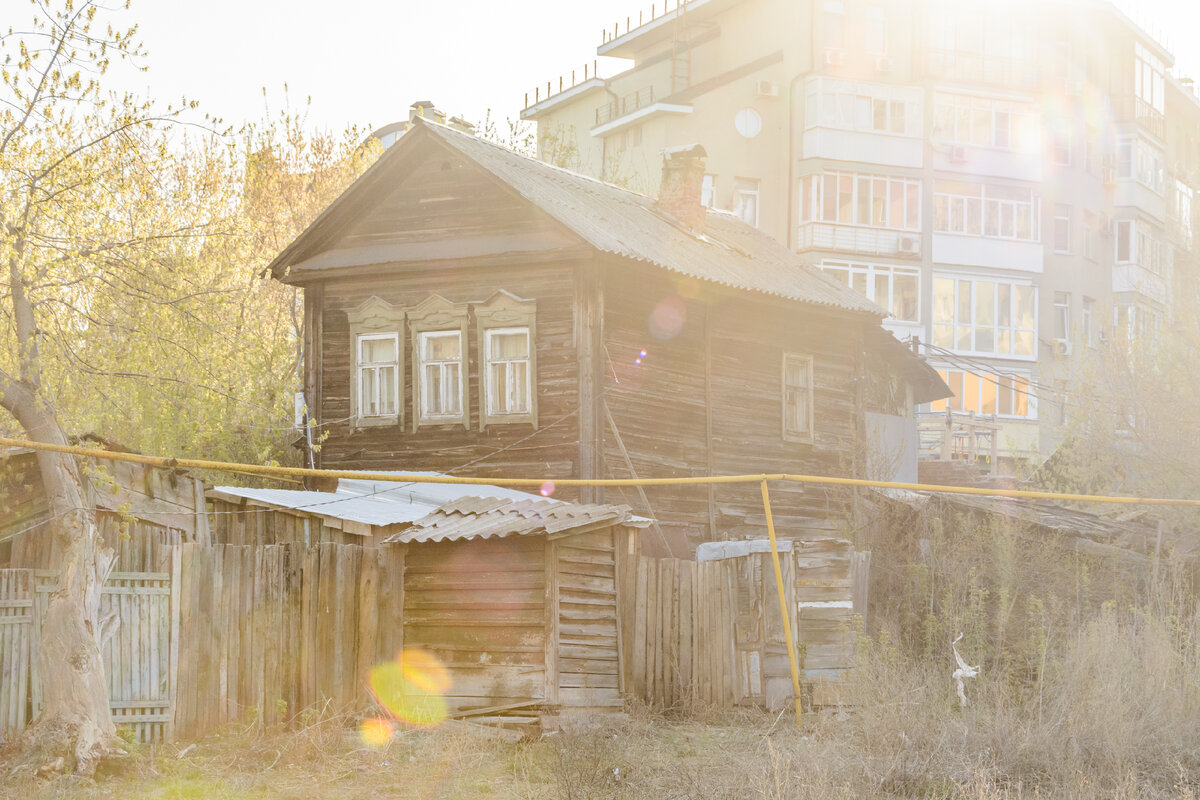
{"x": 747, "y": 188}
{"x": 895, "y": 188}
{"x": 1015, "y": 384}
{"x": 505, "y": 311}
{"x": 362, "y": 367}
{"x": 1062, "y": 214}
{"x": 437, "y": 315}
{"x": 789, "y": 433}
{"x": 375, "y": 317}
{"x": 958, "y": 304}
{"x": 872, "y": 272}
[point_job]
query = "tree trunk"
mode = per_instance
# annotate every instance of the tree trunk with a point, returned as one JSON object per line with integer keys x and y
{"x": 75, "y": 729}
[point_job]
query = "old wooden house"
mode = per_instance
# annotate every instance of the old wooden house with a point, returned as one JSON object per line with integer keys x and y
{"x": 472, "y": 310}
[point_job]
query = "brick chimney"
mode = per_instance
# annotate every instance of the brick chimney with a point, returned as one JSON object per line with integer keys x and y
{"x": 682, "y": 180}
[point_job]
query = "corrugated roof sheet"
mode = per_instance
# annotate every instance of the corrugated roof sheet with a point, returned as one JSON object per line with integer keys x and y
{"x": 488, "y": 517}
{"x": 384, "y": 503}
{"x": 627, "y": 223}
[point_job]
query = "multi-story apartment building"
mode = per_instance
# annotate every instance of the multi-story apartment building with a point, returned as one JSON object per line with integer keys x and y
{"x": 1006, "y": 179}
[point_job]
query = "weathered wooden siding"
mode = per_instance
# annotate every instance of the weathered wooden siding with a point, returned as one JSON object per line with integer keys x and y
{"x": 507, "y": 449}
{"x": 480, "y": 606}
{"x": 245, "y": 524}
{"x": 586, "y": 589}
{"x": 707, "y": 399}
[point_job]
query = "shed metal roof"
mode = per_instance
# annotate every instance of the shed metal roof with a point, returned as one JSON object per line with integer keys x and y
{"x": 488, "y": 517}
{"x": 442, "y": 510}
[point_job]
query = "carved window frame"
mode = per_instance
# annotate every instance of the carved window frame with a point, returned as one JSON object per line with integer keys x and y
{"x": 373, "y": 317}
{"x": 504, "y": 310}
{"x": 436, "y": 314}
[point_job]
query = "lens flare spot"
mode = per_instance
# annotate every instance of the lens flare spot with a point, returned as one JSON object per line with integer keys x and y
{"x": 410, "y": 688}
{"x": 688, "y": 287}
{"x": 547, "y": 488}
{"x": 667, "y": 318}
{"x": 643, "y": 353}
{"x": 376, "y": 731}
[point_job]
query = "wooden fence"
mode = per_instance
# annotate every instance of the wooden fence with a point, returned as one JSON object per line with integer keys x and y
{"x": 266, "y": 632}
{"x": 710, "y": 632}
{"x": 135, "y": 657}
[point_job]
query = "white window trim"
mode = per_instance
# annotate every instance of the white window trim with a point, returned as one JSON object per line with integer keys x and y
{"x": 1035, "y": 207}
{"x": 871, "y": 271}
{"x": 362, "y": 367}
{"x": 1012, "y": 327}
{"x": 819, "y": 88}
{"x": 1016, "y": 111}
{"x": 375, "y": 317}
{"x": 789, "y": 434}
{"x": 436, "y": 315}
{"x": 816, "y": 189}
{"x": 744, "y": 191}
{"x": 427, "y": 416}
{"x": 1011, "y": 377}
{"x": 506, "y": 311}
{"x": 488, "y": 363}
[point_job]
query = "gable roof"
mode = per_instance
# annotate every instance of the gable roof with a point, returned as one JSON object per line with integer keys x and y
{"x": 611, "y": 219}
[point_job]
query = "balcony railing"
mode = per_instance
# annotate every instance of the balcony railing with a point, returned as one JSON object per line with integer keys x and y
{"x": 963, "y": 65}
{"x": 539, "y": 95}
{"x": 642, "y": 98}
{"x": 855, "y": 239}
{"x": 1136, "y": 110}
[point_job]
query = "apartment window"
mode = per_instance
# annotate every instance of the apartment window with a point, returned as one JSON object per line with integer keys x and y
{"x": 440, "y": 363}
{"x": 877, "y": 31}
{"x": 897, "y": 289}
{"x": 508, "y": 383}
{"x": 873, "y": 200}
{"x": 1006, "y": 212}
{"x": 1062, "y": 315}
{"x": 1180, "y": 211}
{"x": 1139, "y": 160}
{"x": 986, "y": 393}
{"x": 835, "y": 24}
{"x": 797, "y": 397}
{"x": 867, "y": 107}
{"x": 745, "y": 200}
{"x": 1089, "y": 235}
{"x": 1087, "y": 311}
{"x": 1062, "y": 229}
{"x": 1149, "y": 81}
{"x": 984, "y": 316}
{"x": 1137, "y": 243}
{"x": 377, "y": 335}
{"x": 708, "y": 191}
{"x": 986, "y": 122}
{"x": 378, "y": 375}
{"x": 439, "y": 330}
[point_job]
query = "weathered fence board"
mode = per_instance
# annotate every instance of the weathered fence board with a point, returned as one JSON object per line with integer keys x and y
{"x": 16, "y": 633}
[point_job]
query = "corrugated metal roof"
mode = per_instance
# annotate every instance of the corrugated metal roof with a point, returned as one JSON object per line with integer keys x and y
{"x": 627, "y": 223}
{"x": 384, "y": 503}
{"x": 488, "y": 517}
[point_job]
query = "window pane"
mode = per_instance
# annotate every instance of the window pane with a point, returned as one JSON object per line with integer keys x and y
{"x": 985, "y": 303}
{"x": 369, "y": 388}
{"x": 387, "y": 390}
{"x": 881, "y": 289}
{"x": 879, "y": 204}
{"x": 896, "y": 204}
{"x": 864, "y": 202}
{"x": 375, "y": 351}
{"x": 943, "y": 300}
{"x": 509, "y": 345}
{"x": 442, "y": 347}
{"x": 904, "y": 300}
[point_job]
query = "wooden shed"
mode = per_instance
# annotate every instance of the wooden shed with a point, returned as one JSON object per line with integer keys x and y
{"x": 518, "y": 600}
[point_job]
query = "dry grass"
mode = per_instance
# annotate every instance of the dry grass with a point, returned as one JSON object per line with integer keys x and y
{"x": 1090, "y": 689}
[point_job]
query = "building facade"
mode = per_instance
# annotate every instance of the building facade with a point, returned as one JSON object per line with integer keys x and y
{"x": 1012, "y": 182}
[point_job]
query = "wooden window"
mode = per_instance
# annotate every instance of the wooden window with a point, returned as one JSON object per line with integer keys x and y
{"x": 377, "y": 339}
{"x": 508, "y": 352}
{"x": 378, "y": 374}
{"x": 507, "y": 371}
{"x": 797, "y": 397}
{"x": 439, "y": 330}
{"x": 440, "y": 360}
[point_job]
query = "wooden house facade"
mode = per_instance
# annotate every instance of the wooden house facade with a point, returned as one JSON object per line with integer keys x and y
{"x": 473, "y": 311}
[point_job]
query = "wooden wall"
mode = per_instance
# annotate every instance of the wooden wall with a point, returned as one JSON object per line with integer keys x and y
{"x": 707, "y": 399}
{"x": 479, "y": 606}
{"x": 585, "y": 584}
{"x": 246, "y": 524}
{"x": 507, "y": 449}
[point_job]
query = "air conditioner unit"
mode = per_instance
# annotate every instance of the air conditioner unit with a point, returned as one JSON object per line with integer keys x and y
{"x": 909, "y": 245}
{"x": 958, "y": 154}
{"x": 1062, "y": 347}
{"x": 766, "y": 89}
{"x": 835, "y": 58}
{"x": 885, "y": 64}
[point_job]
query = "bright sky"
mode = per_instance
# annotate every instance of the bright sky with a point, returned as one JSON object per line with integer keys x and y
{"x": 365, "y": 61}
